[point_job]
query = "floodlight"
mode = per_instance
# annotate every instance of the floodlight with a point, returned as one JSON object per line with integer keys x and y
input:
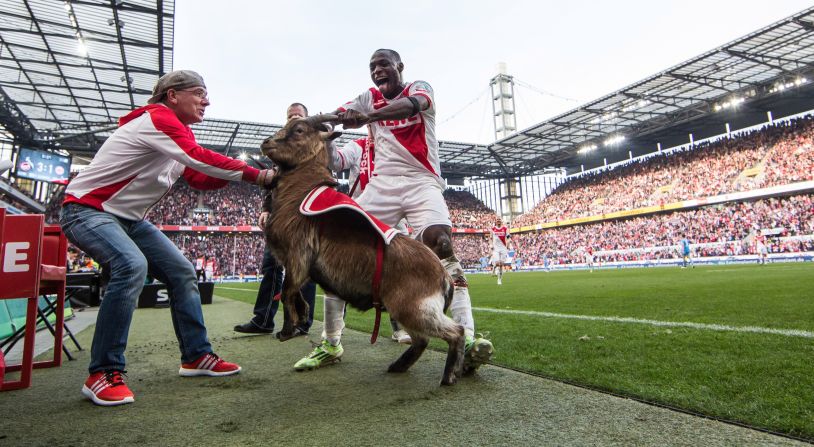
{"x": 614, "y": 140}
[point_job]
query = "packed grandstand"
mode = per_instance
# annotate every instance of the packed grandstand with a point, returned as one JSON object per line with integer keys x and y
{"x": 720, "y": 195}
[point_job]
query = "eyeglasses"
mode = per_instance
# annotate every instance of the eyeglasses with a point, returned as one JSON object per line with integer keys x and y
{"x": 200, "y": 93}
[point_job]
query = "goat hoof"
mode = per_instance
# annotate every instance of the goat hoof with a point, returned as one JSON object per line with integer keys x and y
{"x": 284, "y": 335}
{"x": 449, "y": 381}
{"x": 395, "y": 367}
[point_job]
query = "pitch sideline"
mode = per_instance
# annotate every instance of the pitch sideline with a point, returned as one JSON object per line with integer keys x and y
{"x": 689, "y": 324}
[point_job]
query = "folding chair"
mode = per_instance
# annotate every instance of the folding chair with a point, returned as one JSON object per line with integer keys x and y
{"x": 32, "y": 262}
{"x": 53, "y": 269}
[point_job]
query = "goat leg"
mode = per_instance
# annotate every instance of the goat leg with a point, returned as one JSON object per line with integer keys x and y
{"x": 403, "y": 363}
{"x": 290, "y": 324}
{"x": 302, "y": 310}
{"x": 291, "y": 295}
{"x": 455, "y": 360}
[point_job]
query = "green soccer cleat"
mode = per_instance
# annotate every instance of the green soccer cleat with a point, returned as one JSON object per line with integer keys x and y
{"x": 477, "y": 351}
{"x": 324, "y": 354}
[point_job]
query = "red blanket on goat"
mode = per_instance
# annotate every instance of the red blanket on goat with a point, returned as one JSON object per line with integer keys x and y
{"x": 324, "y": 199}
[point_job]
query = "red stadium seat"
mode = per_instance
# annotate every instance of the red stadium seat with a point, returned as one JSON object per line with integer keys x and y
{"x": 32, "y": 262}
{"x": 2, "y": 358}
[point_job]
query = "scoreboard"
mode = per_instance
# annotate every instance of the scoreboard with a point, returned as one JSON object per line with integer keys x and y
{"x": 43, "y": 166}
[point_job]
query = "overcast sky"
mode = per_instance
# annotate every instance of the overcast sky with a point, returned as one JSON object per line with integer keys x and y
{"x": 259, "y": 56}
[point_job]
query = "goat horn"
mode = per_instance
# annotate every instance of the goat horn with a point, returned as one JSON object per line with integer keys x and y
{"x": 319, "y": 119}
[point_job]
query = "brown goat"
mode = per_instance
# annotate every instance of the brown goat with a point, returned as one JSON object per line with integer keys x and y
{"x": 337, "y": 251}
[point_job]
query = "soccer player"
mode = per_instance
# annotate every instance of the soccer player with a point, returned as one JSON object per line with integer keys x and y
{"x": 589, "y": 258}
{"x": 358, "y": 157}
{"x": 200, "y": 261}
{"x": 407, "y": 184}
{"x": 684, "y": 246}
{"x": 500, "y": 249}
{"x": 209, "y": 269}
{"x": 762, "y": 249}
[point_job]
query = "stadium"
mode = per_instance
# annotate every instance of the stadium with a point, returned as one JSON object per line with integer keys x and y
{"x": 657, "y": 290}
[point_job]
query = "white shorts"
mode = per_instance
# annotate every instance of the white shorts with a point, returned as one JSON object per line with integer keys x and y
{"x": 499, "y": 256}
{"x": 420, "y": 200}
{"x": 589, "y": 259}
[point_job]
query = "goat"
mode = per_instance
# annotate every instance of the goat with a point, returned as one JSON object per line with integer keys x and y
{"x": 337, "y": 251}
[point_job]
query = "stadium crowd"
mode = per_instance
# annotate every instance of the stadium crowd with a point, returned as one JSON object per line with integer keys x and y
{"x": 176, "y": 207}
{"x": 235, "y": 254}
{"x": 239, "y": 204}
{"x": 469, "y": 248}
{"x": 656, "y": 236}
{"x": 236, "y": 204}
{"x": 779, "y": 154}
{"x": 467, "y": 212}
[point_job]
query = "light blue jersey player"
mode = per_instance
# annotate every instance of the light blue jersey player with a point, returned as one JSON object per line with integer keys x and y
{"x": 684, "y": 246}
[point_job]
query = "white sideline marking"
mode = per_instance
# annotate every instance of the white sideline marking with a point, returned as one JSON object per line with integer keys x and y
{"x": 711, "y": 327}
{"x": 689, "y": 324}
{"x": 237, "y": 288}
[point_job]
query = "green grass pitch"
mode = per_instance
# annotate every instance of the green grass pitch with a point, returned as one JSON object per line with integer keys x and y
{"x": 759, "y": 378}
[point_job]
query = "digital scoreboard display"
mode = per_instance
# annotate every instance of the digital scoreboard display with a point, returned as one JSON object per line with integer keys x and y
{"x": 43, "y": 166}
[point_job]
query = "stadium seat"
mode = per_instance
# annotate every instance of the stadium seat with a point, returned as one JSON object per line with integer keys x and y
{"x": 6, "y": 327}
{"x": 33, "y": 263}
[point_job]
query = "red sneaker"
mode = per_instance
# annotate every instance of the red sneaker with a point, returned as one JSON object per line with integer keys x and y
{"x": 208, "y": 365}
{"x": 107, "y": 388}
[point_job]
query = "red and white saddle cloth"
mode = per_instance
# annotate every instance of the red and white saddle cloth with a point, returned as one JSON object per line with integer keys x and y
{"x": 324, "y": 199}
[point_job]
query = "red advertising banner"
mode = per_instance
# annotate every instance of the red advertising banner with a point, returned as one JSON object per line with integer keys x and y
{"x": 20, "y": 268}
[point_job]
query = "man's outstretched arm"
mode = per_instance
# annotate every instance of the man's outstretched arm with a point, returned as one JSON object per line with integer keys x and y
{"x": 396, "y": 110}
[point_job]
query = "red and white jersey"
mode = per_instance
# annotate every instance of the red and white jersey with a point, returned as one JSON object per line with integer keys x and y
{"x": 403, "y": 147}
{"x": 499, "y": 235}
{"x": 199, "y": 264}
{"x": 358, "y": 156}
{"x": 210, "y": 265}
{"x": 140, "y": 162}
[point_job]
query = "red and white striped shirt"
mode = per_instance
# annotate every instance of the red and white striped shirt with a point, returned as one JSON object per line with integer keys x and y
{"x": 141, "y": 161}
{"x": 358, "y": 156}
{"x": 404, "y": 147}
{"x": 499, "y": 235}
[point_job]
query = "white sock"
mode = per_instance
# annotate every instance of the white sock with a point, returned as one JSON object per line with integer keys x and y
{"x": 461, "y": 306}
{"x": 334, "y": 319}
{"x": 461, "y": 310}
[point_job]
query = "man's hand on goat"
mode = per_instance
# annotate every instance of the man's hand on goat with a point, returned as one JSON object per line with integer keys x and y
{"x": 352, "y": 119}
{"x": 265, "y": 177}
{"x": 263, "y": 218}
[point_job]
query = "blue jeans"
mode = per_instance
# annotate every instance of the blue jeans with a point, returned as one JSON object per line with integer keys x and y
{"x": 130, "y": 249}
{"x": 265, "y": 308}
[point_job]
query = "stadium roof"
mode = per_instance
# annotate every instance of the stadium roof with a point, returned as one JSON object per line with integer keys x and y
{"x": 744, "y": 70}
{"x": 69, "y": 68}
{"x": 54, "y": 97}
